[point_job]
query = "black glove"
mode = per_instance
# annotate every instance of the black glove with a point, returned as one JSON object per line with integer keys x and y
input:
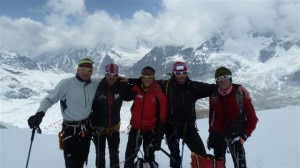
{"x": 210, "y": 143}
{"x": 156, "y": 144}
{"x": 245, "y": 137}
{"x": 159, "y": 130}
{"x": 35, "y": 120}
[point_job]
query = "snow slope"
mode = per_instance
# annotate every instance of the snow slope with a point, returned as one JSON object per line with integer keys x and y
{"x": 274, "y": 144}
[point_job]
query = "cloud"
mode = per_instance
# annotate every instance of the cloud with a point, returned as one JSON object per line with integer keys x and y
{"x": 22, "y": 34}
{"x": 66, "y": 7}
{"x": 69, "y": 24}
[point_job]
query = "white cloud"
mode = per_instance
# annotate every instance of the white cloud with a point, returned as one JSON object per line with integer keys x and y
{"x": 69, "y": 24}
{"x": 67, "y": 7}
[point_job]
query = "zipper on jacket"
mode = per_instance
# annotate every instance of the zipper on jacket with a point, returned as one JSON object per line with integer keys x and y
{"x": 109, "y": 106}
{"x": 85, "y": 94}
{"x": 142, "y": 110}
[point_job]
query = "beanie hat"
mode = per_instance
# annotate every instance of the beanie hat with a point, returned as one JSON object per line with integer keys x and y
{"x": 112, "y": 68}
{"x": 222, "y": 71}
{"x": 86, "y": 62}
{"x": 179, "y": 66}
{"x": 148, "y": 71}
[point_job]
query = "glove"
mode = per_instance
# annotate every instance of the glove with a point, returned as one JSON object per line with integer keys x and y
{"x": 159, "y": 130}
{"x": 243, "y": 139}
{"x": 156, "y": 144}
{"x": 35, "y": 120}
{"x": 210, "y": 143}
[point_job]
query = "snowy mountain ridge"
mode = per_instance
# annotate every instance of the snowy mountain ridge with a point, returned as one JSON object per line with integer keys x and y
{"x": 268, "y": 67}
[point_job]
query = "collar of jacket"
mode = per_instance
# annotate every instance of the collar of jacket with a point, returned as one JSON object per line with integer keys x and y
{"x": 187, "y": 82}
{"x": 106, "y": 84}
{"x": 151, "y": 88}
{"x": 86, "y": 82}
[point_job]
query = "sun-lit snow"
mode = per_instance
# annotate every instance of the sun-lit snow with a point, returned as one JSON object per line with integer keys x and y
{"x": 274, "y": 144}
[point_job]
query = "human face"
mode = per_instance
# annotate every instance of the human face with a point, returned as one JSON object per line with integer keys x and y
{"x": 84, "y": 73}
{"x": 111, "y": 78}
{"x": 180, "y": 77}
{"x": 147, "y": 80}
{"x": 224, "y": 82}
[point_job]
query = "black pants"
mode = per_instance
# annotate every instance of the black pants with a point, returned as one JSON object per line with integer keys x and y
{"x": 133, "y": 146}
{"x": 113, "y": 141}
{"x": 76, "y": 146}
{"x": 236, "y": 149}
{"x": 191, "y": 138}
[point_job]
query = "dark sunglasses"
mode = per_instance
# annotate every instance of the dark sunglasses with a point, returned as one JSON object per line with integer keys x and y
{"x": 223, "y": 77}
{"x": 84, "y": 69}
{"x": 178, "y": 73}
{"x": 111, "y": 74}
{"x": 147, "y": 77}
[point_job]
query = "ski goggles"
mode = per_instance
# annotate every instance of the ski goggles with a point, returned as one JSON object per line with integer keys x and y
{"x": 84, "y": 69}
{"x": 178, "y": 73}
{"x": 223, "y": 77}
{"x": 111, "y": 74}
{"x": 147, "y": 77}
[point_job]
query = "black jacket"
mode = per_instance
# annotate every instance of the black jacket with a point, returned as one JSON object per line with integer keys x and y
{"x": 182, "y": 99}
{"x": 107, "y": 103}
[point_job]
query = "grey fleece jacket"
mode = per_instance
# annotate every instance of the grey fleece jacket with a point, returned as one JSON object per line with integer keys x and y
{"x": 75, "y": 98}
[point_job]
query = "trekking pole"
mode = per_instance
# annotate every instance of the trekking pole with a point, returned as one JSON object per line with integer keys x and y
{"x": 233, "y": 153}
{"x": 181, "y": 159}
{"x": 184, "y": 131}
{"x": 166, "y": 153}
{"x": 136, "y": 150}
{"x": 31, "y": 140}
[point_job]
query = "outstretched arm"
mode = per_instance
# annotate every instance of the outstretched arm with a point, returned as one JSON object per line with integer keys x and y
{"x": 133, "y": 81}
{"x": 123, "y": 79}
{"x": 204, "y": 89}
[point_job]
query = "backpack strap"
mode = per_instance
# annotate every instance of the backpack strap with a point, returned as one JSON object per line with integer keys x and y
{"x": 170, "y": 96}
{"x": 214, "y": 97}
{"x": 167, "y": 87}
{"x": 239, "y": 100}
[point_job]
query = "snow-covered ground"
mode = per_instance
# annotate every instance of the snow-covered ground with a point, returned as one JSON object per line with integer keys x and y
{"x": 274, "y": 144}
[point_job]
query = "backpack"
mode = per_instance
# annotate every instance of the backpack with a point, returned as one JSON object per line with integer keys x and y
{"x": 206, "y": 162}
{"x": 141, "y": 163}
{"x": 239, "y": 100}
{"x": 233, "y": 127}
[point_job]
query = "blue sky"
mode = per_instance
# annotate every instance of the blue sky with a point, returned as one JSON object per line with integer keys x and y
{"x": 36, "y": 8}
{"x": 34, "y": 27}
{"x": 21, "y": 8}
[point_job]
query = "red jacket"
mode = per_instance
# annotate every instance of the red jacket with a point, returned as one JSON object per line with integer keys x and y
{"x": 145, "y": 109}
{"x": 217, "y": 121}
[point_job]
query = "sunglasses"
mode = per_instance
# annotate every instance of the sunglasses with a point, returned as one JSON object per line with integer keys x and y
{"x": 178, "y": 73}
{"x": 147, "y": 77}
{"x": 223, "y": 77}
{"x": 111, "y": 74}
{"x": 84, "y": 69}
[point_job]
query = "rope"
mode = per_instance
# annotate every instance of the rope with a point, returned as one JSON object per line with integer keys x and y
{"x": 137, "y": 149}
{"x": 235, "y": 153}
